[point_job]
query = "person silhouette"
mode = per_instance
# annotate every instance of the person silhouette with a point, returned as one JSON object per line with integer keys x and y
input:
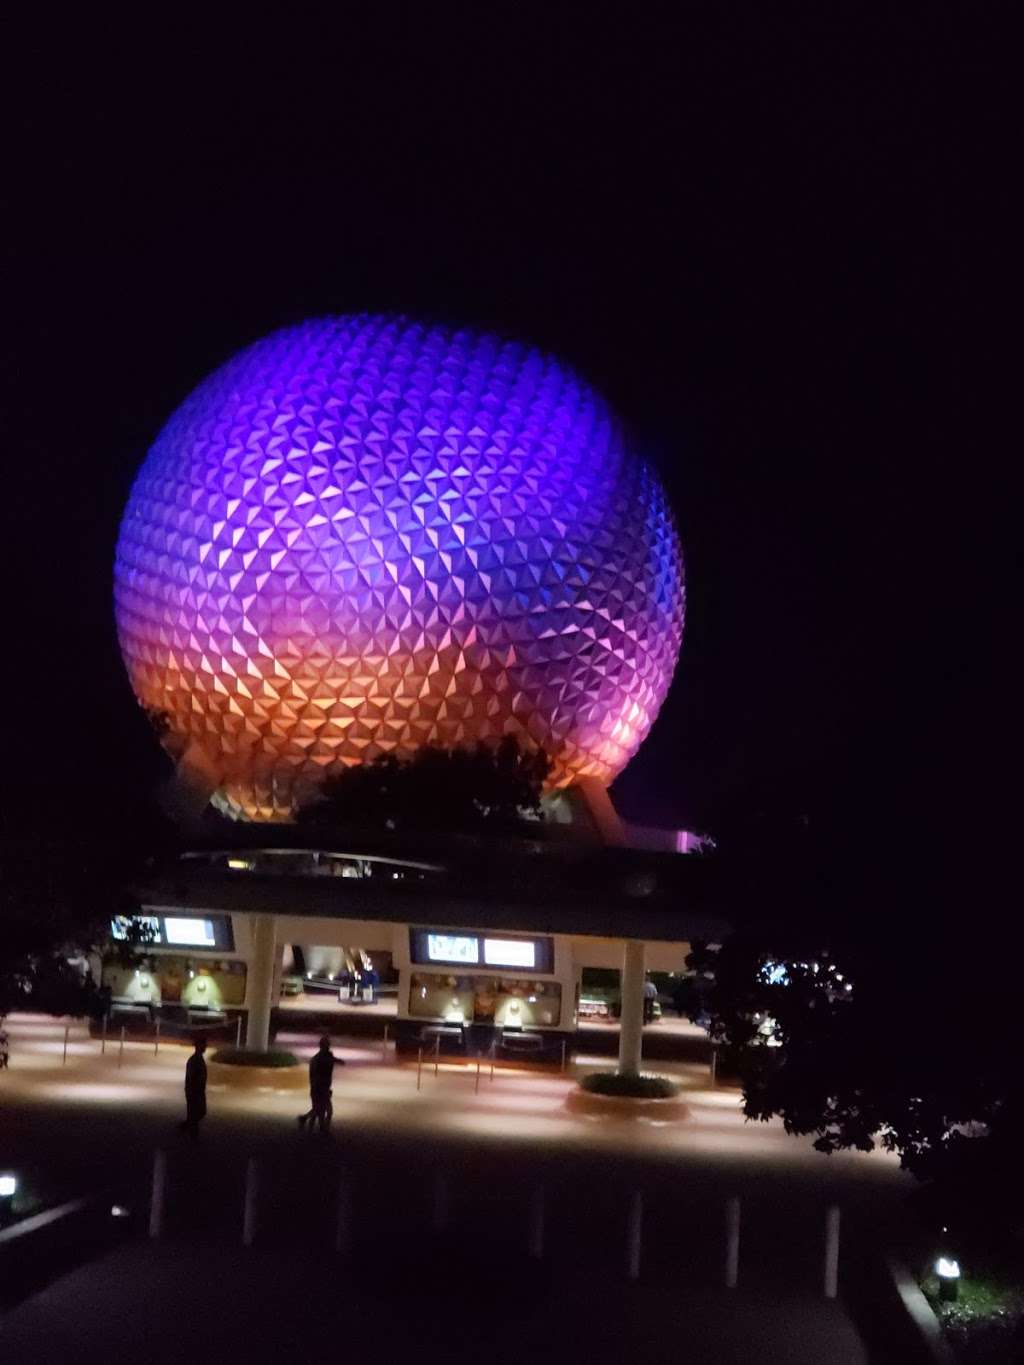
{"x": 321, "y": 1074}
{"x": 195, "y": 1090}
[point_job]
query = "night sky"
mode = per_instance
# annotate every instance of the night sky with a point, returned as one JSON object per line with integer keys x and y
{"x": 750, "y": 237}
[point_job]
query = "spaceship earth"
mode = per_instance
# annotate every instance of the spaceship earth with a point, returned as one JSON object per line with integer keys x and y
{"x": 366, "y": 534}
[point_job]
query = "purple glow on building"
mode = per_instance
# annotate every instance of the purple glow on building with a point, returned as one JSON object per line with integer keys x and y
{"x": 362, "y": 535}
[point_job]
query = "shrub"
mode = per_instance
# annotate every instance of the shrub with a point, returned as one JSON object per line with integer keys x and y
{"x": 237, "y": 1056}
{"x": 633, "y": 1087}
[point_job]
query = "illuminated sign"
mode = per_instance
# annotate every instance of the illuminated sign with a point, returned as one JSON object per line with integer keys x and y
{"x": 462, "y": 948}
{"x": 510, "y": 952}
{"x": 192, "y": 933}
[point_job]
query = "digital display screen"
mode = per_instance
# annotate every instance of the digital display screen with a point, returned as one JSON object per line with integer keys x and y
{"x": 191, "y": 933}
{"x": 210, "y": 934}
{"x": 461, "y": 948}
{"x": 510, "y": 952}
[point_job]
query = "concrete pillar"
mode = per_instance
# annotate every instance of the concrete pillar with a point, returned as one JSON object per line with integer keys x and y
{"x": 260, "y": 990}
{"x": 631, "y": 1025}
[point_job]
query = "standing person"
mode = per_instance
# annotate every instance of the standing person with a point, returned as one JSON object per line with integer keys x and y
{"x": 321, "y": 1075}
{"x": 195, "y": 1089}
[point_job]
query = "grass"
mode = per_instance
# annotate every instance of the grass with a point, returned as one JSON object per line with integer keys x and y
{"x": 631, "y": 1087}
{"x": 985, "y": 1326}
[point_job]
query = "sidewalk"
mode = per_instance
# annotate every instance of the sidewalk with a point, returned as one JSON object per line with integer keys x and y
{"x": 167, "y": 1303}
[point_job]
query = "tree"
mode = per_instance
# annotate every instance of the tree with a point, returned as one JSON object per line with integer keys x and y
{"x": 483, "y": 789}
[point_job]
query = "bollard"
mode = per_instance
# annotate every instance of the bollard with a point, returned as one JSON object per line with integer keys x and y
{"x": 536, "y": 1239}
{"x": 441, "y": 1207}
{"x": 714, "y": 1065}
{"x": 831, "y": 1252}
{"x": 156, "y": 1044}
{"x": 156, "y": 1202}
{"x": 437, "y": 1054}
{"x": 419, "y": 1068}
{"x": 384, "y": 1047}
{"x": 563, "y": 1055}
{"x": 732, "y": 1243}
{"x": 103, "y": 1037}
{"x": 120, "y": 1050}
{"x": 634, "y": 1235}
{"x": 492, "y": 1068}
{"x": 67, "y": 1030}
{"x": 343, "y": 1229}
{"x": 252, "y": 1181}
{"x": 238, "y": 1032}
{"x": 476, "y": 1087}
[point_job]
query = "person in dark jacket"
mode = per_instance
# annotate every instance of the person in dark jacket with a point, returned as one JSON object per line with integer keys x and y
{"x": 195, "y": 1089}
{"x": 321, "y": 1076}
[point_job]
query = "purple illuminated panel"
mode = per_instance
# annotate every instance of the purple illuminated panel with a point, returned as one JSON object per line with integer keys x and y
{"x": 362, "y": 535}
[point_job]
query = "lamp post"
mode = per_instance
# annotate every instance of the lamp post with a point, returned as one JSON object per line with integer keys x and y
{"x": 948, "y": 1271}
{"x": 8, "y": 1189}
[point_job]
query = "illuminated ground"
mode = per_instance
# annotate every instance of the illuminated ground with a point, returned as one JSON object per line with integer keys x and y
{"x": 94, "y": 1123}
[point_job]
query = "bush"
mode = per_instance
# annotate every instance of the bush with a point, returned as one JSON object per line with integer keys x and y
{"x": 632, "y": 1087}
{"x": 237, "y": 1056}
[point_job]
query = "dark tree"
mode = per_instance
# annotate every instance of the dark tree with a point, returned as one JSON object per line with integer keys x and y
{"x": 468, "y": 790}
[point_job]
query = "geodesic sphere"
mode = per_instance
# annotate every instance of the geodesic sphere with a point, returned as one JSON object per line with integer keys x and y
{"x": 362, "y": 535}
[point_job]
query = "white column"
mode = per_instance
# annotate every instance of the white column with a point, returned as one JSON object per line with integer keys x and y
{"x": 260, "y": 988}
{"x": 631, "y": 1025}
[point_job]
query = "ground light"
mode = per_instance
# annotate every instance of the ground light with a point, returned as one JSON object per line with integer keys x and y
{"x": 948, "y": 1272}
{"x": 8, "y": 1189}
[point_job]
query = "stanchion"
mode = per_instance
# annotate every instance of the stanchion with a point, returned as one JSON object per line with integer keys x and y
{"x": 634, "y": 1235}
{"x": 238, "y": 1032}
{"x": 103, "y": 1037}
{"x": 419, "y": 1068}
{"x": 732, "y": 1243}
{"x": 67, "y": 1030}
{"x": 156, "y": 1202}
{"x": 832, "y": 1252}
{"x": 536, "y": 1241}
{"x": 441, "y": 1203}
{"x": 252, "y": 1182}
{"x": 714, "y": 1064}
{"x": 563, "y": 1054}
{"x": 437, "y": 1054}
{"x": 120, "y": 1050}
{"x": 156, "y": 1044}
{"x": 476, "y": 1086}
{"x": 343, "y": 1227}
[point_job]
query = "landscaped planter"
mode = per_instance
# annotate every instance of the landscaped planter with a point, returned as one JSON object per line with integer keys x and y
{"x": 669, "y": 1108}
{"x": 241, "y": 1069}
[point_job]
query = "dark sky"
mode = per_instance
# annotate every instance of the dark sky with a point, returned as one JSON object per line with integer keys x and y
{"x": 750, "y": 235}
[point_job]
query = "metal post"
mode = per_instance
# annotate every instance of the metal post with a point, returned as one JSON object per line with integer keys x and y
{"x": 384, "y": 1047}
{"x": 492, "y": 1068}
{"x": 563, "y": 1054}
{"x": 536, "y": 1241}
{"x": 252, "y": 1181}
{"x": 156, "y": 1045}
{"x": 437, "y": 1054}
{"x": 732, "y": 1243}
{"x": 831, "y": 1252}
{"x": 441, "y": 1203}
{"x": 103, "y": 1038}
{"x": 419, "y": 1068}
{"x": 67, "y": 1030}
{"x": 156, "y": 1203}
{"x": 634, "y": 1235}
{"x": 714, "y": 1064}
{"x": 238, "y": 1032}
{"x": 120, "y": 1050}
{"x": 476, "y": 1086}
{"x": 343, "y": 1229}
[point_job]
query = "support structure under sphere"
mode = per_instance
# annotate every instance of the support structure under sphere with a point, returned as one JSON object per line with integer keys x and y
{"x": 363, "y": 535}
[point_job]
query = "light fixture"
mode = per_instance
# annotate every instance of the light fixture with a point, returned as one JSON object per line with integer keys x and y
{"x": 119, "y": 1211}
{"x": 948, "y": 1271}
{"x": 8, "y": 1186}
